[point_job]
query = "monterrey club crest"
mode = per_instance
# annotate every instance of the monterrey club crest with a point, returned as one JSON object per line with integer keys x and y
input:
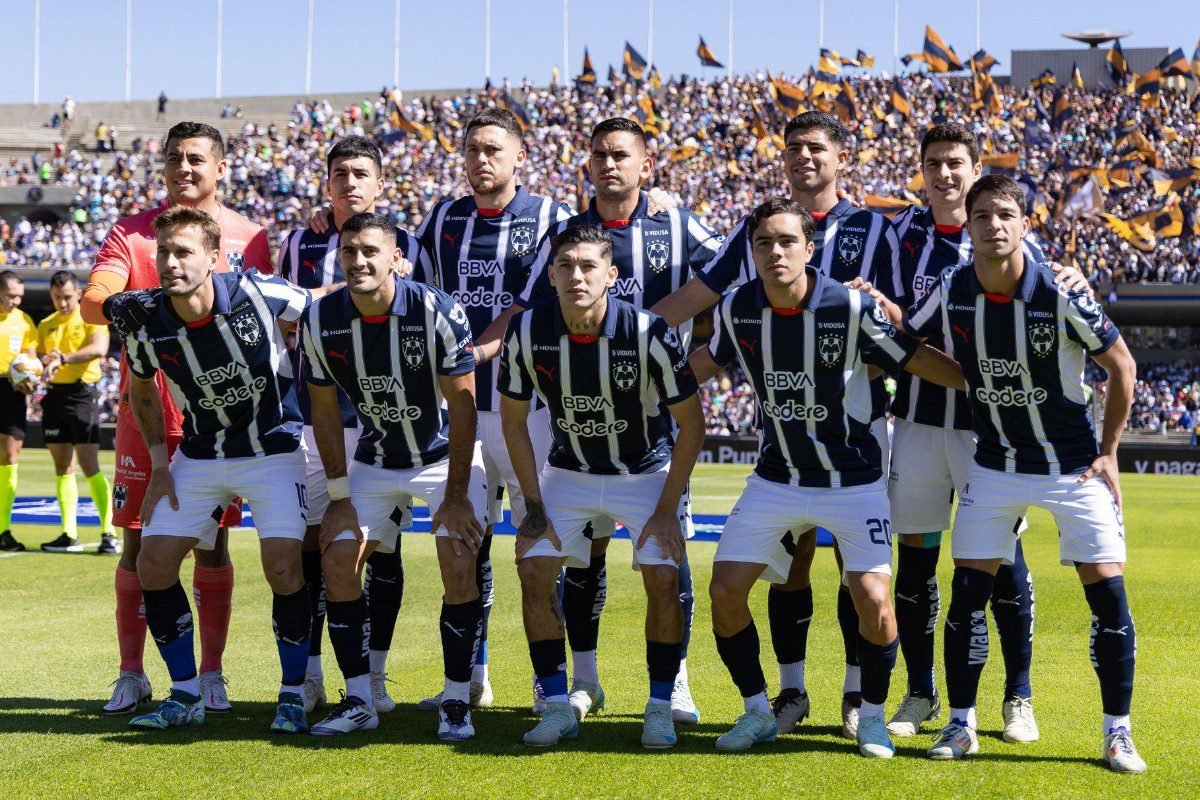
{"x": 625, "y": 376}
{"x": 658, "y": 254}
{"x": 849, "y": 247}
{"x": 830, "y": 348}
{"x": 247, "y": 329}
{"x": 1042, "y": 339}
{"x": 414, "y": 352}
{"x": 521, "y": 241}
{"x": 236, "y": 261}
{"x": 120, "y": 496}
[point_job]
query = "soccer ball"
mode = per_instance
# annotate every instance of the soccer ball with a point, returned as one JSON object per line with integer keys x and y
{"x": 24, "y": 368}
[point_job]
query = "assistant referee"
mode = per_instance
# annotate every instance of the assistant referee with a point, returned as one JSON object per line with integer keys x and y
{"x": 17, "y": 335}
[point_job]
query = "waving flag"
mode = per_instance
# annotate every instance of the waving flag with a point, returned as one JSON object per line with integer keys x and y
{"x": 1076, "y": 76}
{"x": 937, "y": 55}
{"x": 1118, "y": 67}
{"x": 1061, "y": 111}
{"x": 982, "y": 61}
{"x": 846, "y": 104}
{"x": 788, "y": 97}
{"x": 898, "y": 102}
{"x": 1176, "y": 63}
{"x": 707, "y": 59}
{"x": 518, "y": 109}
{"x": 588, "y": 74}
{"x": 633, "y": 65}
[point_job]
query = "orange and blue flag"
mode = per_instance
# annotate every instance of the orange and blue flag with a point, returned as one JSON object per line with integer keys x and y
{"x": 938, "y": 55}
{"x": 588, "y": 73}
{"x": 1176, "y": 63}
{"x": 982, "y": 61}
{"x": 633, "y": 65}
{"x": 518, "y": 109}
{"x": 1118, "y": 67}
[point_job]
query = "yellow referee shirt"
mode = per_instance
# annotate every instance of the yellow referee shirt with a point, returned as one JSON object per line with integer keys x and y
{"x": 67, "y": 334}
{"x": 17, "y": 333}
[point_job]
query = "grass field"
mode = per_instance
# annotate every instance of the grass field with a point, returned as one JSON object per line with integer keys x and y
{"x": 59, "y": 654}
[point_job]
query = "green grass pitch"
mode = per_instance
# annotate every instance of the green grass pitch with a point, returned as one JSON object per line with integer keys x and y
{"x": 59, "y": 653}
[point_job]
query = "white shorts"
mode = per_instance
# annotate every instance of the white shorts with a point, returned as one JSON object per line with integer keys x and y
{"x": 766, "y": 520}
{"x": 992, "y": 504}
{"x": 498, "y": 465}
{"x": 929, "y": 466}
{"x": 380, "y": 496}
{"x": 880, "y": 430}
{"x": 272, "y": 485}
{"x": 314, "y": 475}
{"x": 575, "y": 501}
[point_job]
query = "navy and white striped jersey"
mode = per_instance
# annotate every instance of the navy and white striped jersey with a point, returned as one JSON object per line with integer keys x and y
{"x": 808, "y": 367}
{"x": 926, "y": 250}
{"x": 310, "y": 259}
{"x": 1023, "y": 359}
{"x": 605, "y": 393}
{"x": 229, "y": 374}
{"x": 482, "y": 258}
{"x": 654, "y": 255}
{"x": 389, "y": 366}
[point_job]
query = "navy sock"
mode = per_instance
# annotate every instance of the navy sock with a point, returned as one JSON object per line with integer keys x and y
{"x": 349, "y": 632}
{"x": 917, "y": 606}
{"x": 585, "y": 590}
{"x": 966, "y": 635}
{"x": 877, "y": 662}
{"x": 383, "y": 587}
{"x": 740, "y": 655}
{"x": 1113, "y": 643}
{"x": 460, "y": 627}
{"x": 549, "y": 657}
{"x": 483, "y": 577}
{"x": 848, "y": 621}
{"x": 687, "y": 598}
{"x": 1012, "y": 607}
{"x": 790, "y": 614}
{"x": 169, "y": 618}
{"x": 291, "y": 618}
{"x": 314, "y": 579}
{"x": 662, "y": 661}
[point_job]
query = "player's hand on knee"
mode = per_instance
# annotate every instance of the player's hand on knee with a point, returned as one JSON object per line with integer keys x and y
{"x": 1105, "y": 468}
{"x": 664, "y": 526}
{"x": 161, "y": 485}
{"x": 129, "y": 311}
{"x": 341, "y": 516}
{"x": 457, "y": 516}
{"x": 535, "y": 527}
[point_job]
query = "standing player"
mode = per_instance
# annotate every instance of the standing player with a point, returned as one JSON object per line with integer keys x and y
{"x": 71, "y": 350}
{"x": 194, "y": 166}
{"x": 218, "y": 342}
{"x": 606, "y": 370}
{"x": 1023, "y": 345}
{"x": 401, "y": 351}
{"x": 653, "y": 254}
{"x": 310, "y": 259}
{"x": 805, "y": 342}
{"x": 20, "y": 336}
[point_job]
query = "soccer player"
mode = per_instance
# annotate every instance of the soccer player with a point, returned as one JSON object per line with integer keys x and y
{"x": 71, "y": 350}
{"x": 20, "y": 336}
{"x": 310, "y": 259}
{"x": 653, "y": 254}
{"x": 606, "y": 370}
{"x": 194, "y": 165}
{"x": 1023, "y": 342}
{"x": 805, "y": 343}
{"x": 402, "y": 353}
{"x": 218, "y": 342}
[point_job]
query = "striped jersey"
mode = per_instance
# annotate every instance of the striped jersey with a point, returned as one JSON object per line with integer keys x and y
{"x": 482, "y": 258}
{"x": 654, "y": 255}
{"x": 808, "y": 367}
{"x": 606, "y": 393}
{"x": 1023, "y": 359}
{"x": 228, "y": 373}
{"x": 926, "y": 250}
{"x": 310, "y": 259}
{"x": 389, "y": 365}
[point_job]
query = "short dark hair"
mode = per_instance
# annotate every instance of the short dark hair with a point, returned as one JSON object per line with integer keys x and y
{"x": 837, "y": 132}
{"x": 62, "y": 278}
{"x": 954, "y": 133}
{"x": 775, "y": 207}
{"x": 1000, "y": 185}
{"x": 368, "y": 220}
{"x": 8, "y": 275}
{"x": 196, "y": 130}
{"x": 582, "y": 234}
{"x": 355, "y": 147}
{"x": 182, "y": 216}
{"x": 495, "y": 117}
{"x": 618, "y": 125}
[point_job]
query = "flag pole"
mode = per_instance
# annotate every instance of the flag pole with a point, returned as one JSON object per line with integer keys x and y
{"x": 977, "y": 24}
{"x": 649, "y": 34}
{"x": 220, "y": 37}
{"x": 308, "y": 52}
{"x": 396, "y": 45}
{"x": 729, "y": 54}
{"x": 820, "y": 23}
{"x": 566, "y": 28}
{"x": 37, "y": 48}
{"x": 487, "y": 40}
{"x": 895, "y": 37}
{"x": 128, "y": 49}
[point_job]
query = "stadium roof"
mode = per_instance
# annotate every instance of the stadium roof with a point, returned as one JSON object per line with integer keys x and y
{"x": 1094, "y": 38}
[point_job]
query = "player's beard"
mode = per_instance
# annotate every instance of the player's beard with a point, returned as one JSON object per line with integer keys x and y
{"x": 492, "y": 185}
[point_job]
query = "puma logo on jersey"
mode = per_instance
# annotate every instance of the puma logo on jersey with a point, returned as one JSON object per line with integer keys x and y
{"x": 963, "y": 332}
{"x": 547, "y": 371}
{"x": 910, "y": 247}
{"x": 748, "y": 345}
{"x": 448, "y": 238}
{"x": 344, "y": 356}
{"x": 171, "y": 358}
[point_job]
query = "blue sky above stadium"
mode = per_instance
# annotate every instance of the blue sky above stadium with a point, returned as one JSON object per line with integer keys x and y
{"x": 83, "y": 42}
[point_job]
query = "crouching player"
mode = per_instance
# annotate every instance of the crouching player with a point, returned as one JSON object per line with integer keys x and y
{"x": 604, "y": 368}
{"x": 218, "y": 342}
{"x": 805, "y": 343}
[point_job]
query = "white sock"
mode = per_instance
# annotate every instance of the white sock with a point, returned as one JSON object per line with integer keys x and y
{"x": 191, "y": 686}
{"x": 870, "y": 710}
{"x": 853, "y": 682}
{"x": 377, "y": 659}
{"x": 479, "y": 673}
{"x": 966, "y": 715}
{"x": 360, "y": 687}
{"x": 583, "y": 666}
{"x": 791, "y": 676}
{"x": 457, "y": 690}
{"x": 758, "y": 702}
{"x": 314, "y": 667}
{"x": 1112, "y": 722}
{"x": 682, "y": 676}
{"x": 293, "y": 690}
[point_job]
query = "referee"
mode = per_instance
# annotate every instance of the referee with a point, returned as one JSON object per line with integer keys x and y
{"x": 71, "y": 350}
{"x": 17, "y": 335}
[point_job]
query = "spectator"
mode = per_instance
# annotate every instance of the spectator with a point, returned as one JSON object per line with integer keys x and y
{"x": 162, "y": 105}
{"x": 101, "y": 137}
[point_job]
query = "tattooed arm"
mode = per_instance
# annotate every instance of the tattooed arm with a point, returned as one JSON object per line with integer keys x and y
{"x": 514, "y": 418}
{"x": 148, "y": 413}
